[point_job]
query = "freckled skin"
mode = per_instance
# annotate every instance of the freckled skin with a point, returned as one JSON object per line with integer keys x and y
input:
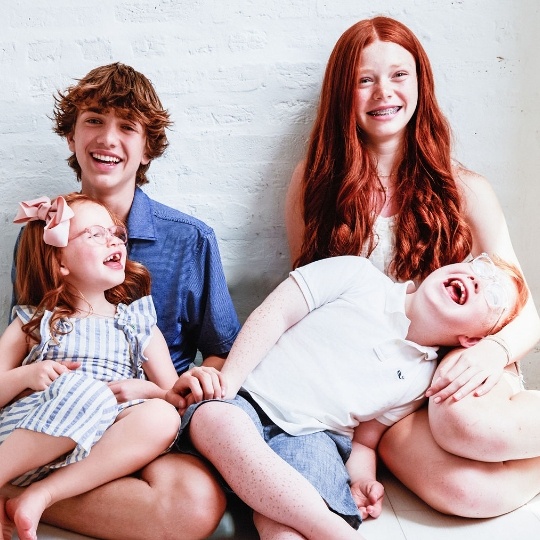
{"x": 283, "y": 500}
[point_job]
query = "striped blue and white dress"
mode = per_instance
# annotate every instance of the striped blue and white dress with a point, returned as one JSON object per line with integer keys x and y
{"x": 79, "y": 404}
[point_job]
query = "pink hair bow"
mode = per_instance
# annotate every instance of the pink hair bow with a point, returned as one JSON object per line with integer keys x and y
{"x": 56, "y": 215}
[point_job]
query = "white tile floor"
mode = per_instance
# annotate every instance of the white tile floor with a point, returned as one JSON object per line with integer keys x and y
{"x": 405, "y": 517}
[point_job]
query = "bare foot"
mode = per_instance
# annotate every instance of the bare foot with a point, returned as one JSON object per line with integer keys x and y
{"x": 6, "y": 525}
{"x": 25, "y": 511}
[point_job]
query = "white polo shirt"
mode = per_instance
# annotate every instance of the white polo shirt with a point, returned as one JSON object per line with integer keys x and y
{"x": 348, "y": 360}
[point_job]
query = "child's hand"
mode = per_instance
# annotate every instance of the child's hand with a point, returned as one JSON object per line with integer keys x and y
{"x": 462, "y": 371}
{"x": 42, "y": 374}
{"x": 368, "y": 496}
{"x": 127, "y": 389}
{"x": 195, "y": 385}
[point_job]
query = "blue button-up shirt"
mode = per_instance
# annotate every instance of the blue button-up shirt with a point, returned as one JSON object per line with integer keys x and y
{"x": 193, "y": 304}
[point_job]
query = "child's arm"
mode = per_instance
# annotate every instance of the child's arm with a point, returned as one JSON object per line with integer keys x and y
{"x": 158, "y": 368}
{"x": 16, "y": 379}
{"x": 283, "y": 308}
{"x": 362, "y": 468}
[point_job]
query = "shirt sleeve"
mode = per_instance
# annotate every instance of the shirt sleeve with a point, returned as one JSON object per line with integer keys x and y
{"x": 211, "y": 302}
{"x": 325, "y": 280}
{"x": 137, "y": 320}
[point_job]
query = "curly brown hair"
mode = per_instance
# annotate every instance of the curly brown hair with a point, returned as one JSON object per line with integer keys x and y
{"x": 129, "y": 93}
{"x": 39, "y": 282}
{"x": 340, "y": 175}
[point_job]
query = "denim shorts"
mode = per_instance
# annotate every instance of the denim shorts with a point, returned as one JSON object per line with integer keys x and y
{"x": 320, "y": 457}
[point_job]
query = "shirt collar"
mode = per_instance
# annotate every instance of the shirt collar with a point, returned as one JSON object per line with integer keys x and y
{"x": 395, "y": 300}
{"x": 140, "y": 221}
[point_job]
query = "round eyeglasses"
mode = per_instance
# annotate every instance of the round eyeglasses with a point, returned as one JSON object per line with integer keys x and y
{"x": 495, "y": 293}
{"x": 100, "y": 235}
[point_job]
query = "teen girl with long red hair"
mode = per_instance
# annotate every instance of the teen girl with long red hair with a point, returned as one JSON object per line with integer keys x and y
{"x": 379, "y": 180}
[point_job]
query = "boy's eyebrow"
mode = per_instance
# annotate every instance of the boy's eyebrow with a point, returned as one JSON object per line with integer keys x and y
{"x": 94, "y": 109}
{"x": 130, "y": 117}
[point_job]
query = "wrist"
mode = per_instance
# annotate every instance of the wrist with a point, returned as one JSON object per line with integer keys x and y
{"x": 503, "y": 345}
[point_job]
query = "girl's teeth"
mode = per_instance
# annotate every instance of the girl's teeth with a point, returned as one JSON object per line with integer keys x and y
{"x": 385, "y": 112}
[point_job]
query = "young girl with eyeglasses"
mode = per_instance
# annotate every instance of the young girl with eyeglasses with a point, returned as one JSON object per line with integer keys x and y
{"x": 82, "y": 366}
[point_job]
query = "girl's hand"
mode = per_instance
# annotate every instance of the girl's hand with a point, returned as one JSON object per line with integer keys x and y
{"x": 462, "y": 371}
{"x": 368, "y": 496}
{"x": 42, "y": 374}
{"x": 195, "y": 385}
{"x": 127, "y": 389}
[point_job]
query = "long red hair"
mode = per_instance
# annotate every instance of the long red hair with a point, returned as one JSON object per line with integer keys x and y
{"x": 39, "y": 282}
{"x": 340, "y": 177}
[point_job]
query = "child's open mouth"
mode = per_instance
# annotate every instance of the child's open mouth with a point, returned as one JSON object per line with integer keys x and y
{"x": 456, "y": 290}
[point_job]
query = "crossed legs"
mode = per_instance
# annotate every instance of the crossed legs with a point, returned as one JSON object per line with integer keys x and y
{"x": 477, "y": 457}
{"x": 283, "y": 500}
{"x": 140, "y": 434}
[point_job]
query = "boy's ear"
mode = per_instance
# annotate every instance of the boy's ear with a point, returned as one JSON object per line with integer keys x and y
{"x": 71, "y": 142}
{"x": 466, "y": 341}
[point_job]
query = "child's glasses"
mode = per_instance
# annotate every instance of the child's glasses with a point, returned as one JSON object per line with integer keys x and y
{"x": 100, "y": 235}
{"x": 494, "y": 292}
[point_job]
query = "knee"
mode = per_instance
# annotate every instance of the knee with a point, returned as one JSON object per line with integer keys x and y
{"x": 188, "y": 500}
{"x": 161, "y": 419}
{"x": 450, "y": 427}
{"x": 468, "y": 492}
{"x": 466, "y": 429}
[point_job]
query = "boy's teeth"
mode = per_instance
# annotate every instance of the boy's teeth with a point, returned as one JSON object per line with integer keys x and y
{"x": 459, "y": 288}
{"x": 108, "y": 159}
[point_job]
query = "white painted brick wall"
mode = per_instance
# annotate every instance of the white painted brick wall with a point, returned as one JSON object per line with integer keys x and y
{"x": 241, "y": 80}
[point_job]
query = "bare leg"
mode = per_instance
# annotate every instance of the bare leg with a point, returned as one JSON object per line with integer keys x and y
{"x": 6, "y": 525}
{"x": 227, "y": 437}
{"x": 176, "y": 492}
{"x": 22, "y": 451}
{"x": 499, "y": 426}
{"x": 452, "y": 484}
{"x": 270, "y": 530}
{"x": 139, "y": 435}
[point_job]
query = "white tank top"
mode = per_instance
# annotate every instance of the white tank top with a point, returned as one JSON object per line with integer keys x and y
{"x": 383, "y": 253}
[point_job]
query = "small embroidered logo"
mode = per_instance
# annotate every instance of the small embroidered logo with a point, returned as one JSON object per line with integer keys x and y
{"x": 399, "y": 374}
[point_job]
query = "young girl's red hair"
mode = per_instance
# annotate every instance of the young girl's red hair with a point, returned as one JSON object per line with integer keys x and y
{"x": 340, "y": 177}
{"x": 39, "y": 282}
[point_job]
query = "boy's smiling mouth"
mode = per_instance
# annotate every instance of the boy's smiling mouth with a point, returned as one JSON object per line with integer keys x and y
{"x": 105, "y": 159}
{"x": 456, "y": 290}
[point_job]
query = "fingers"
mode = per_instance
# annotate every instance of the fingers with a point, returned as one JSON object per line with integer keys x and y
{"x": 479, "y": 382}
{"x": 369, "y": 499}
{"x": 204, "y": 383}
{"x": 69, "y": 364}
{"x": 375, "y": 498}
{"x": 176, "y": 400}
